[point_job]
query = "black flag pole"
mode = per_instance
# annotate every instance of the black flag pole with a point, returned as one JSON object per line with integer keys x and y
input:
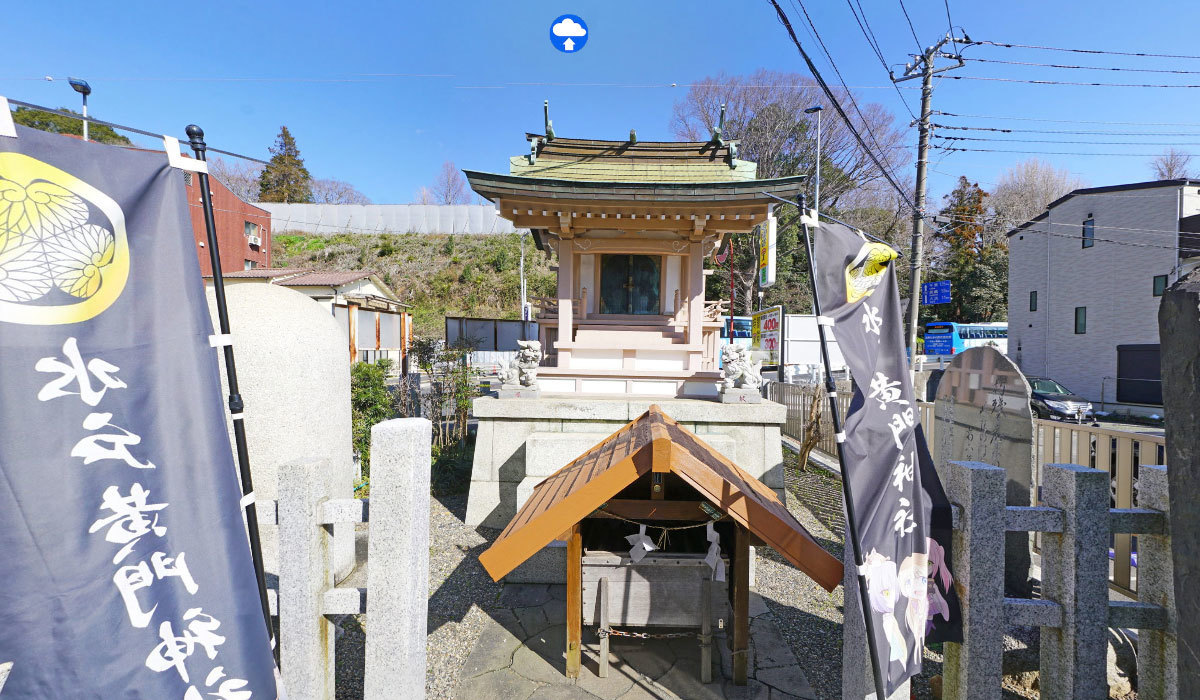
{"x": 196, "y": 138}
{"x": 847, "y": 493}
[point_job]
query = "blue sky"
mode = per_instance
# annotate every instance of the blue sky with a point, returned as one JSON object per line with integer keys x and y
{"x": 388, "y": 135}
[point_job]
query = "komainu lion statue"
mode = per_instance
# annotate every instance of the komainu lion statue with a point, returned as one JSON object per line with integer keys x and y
{"x": 741, "y": 371}
{"x": 522, "y": 371}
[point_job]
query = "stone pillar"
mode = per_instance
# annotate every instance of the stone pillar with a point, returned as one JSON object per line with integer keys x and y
{"x": 972, "y": 669}
{"x": 857, "y": 678}
{"x": 1179, "y": 326}
{"x": 305, "y": 573}
{"x": 1157, "y": 651}
{"x": 566, "y": 295}
{"x": 1074, "y": 657}
{"x": 398, "y": 553}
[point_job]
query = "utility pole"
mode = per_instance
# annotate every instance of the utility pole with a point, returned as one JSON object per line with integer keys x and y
{"x": 922, "y": 67}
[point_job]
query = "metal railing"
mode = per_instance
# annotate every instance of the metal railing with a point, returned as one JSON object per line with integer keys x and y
{"x": 1118, "y": 452}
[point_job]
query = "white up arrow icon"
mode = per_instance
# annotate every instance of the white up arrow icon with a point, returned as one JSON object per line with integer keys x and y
{"x": 569, "y": 45}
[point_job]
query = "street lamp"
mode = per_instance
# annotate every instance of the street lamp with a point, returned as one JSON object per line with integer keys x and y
{"x": 817, "y": 185}
{"x": 84, "y": 89}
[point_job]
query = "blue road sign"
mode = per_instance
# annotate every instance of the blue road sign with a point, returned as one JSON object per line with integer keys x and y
{"x": 935, "y": 292}
{"x": 568, "y": 33}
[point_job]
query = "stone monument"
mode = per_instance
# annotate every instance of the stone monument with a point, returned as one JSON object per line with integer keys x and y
{"x": 1179, "y": 333}
{"x": 518, "y": 380}
{"x": 742, "y": 376}
{"x": 294, "y": 377}
{"x": 982, "y": 414}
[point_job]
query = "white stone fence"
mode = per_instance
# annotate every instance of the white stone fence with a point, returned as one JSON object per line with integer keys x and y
{"x": 398, "y": 575}
{"x": 1074, "y": 611}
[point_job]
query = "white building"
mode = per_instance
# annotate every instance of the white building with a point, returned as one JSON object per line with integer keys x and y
{"x": 1084, "y": 283}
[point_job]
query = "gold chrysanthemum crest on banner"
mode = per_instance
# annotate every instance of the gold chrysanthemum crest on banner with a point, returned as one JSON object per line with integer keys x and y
{"x": 865, "y": 272}
{"x": 64, "y": 253}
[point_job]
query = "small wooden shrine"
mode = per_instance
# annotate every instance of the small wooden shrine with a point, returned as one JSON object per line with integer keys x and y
{"x": 631, "y": 223}
{"x": 655, "y": 472}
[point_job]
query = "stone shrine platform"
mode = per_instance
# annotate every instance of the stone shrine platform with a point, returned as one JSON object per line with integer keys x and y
{"x": 519, "y": 656}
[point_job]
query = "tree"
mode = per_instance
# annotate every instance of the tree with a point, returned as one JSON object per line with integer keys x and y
{"x": 765, "y": 113}
{"x": 285, "y": 179}
{"x": 424, "y": 195}
{"x": 240, "y": 176}
{"x": 1023, "y": 192}
{"x": 450, "y": 187}
{"x": 976, "y": 267}
{"x": 58, "y": 124}
{"x": 1171, "y": 165}
{"x": 330, "y": 191}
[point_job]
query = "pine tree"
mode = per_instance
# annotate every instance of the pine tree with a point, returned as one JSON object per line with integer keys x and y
{"x": 977, "y": 269}
{"x": 285, "y": 179}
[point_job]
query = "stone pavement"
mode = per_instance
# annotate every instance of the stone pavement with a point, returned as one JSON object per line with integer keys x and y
{"x": 519, "y": 656}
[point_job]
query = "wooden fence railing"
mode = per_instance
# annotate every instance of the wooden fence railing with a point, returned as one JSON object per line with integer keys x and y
{"x": 1118, "y": 452}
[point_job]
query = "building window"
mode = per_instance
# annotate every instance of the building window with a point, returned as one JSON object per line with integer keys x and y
{"x": 1080, "y": 319}
{"x": 1160, "y": 285}
{"x": 1033, "y": 301}
{"x": 251, "y": 229}
{"x": 250, "y": 265}
{"x": 187, "y": 178}
{"x": 1089, "y": 232}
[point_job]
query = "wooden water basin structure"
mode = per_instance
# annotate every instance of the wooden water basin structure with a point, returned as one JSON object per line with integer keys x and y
{"x": 655, "y": 472}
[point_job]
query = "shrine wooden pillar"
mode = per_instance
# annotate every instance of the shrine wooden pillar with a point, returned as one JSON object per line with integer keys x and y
{"x": 741, "y": 604}
{"x": 574, "y": 601}
{"x": 695, "y": 300}
{"x": 566, "y": 289}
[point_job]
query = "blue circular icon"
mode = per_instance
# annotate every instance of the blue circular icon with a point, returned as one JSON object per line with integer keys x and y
{"x": 568, "y": 33}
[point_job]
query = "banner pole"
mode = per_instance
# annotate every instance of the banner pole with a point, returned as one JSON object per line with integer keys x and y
{"x": 847, "y": 493}
{"x": 196, "y": 138}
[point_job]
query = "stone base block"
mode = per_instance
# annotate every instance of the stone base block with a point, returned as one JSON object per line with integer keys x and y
{"x": 516, "y": 391}
{"x": 740, "y": 395}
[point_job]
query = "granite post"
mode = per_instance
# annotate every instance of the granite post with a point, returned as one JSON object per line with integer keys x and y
{"x": 398, "y": 556}
{"x": 1074, "y": 656}
{"x": 972, "y": 669}
{"x": 306, "y": 636}
{"x": 1179, "y": 331}
{"x": 1157, "y": 650}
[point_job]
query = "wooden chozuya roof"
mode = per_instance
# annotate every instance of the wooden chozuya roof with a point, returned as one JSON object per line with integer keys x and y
{"x": 655, "y": 442}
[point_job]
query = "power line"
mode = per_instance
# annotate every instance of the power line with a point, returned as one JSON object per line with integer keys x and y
{"x": 853, "y": 101}
{"x": 1072, "y": 236}
{"x": 1062, "y": 65}
{"x": 869, "y": 34}
{"x": 1062, "y": 121}
{"x": 1092, "y": 51}
{"x": 1066, "y": 82}
{"x": 1060, "y": 141}
{"x": 950, "y": 25}
{"x": 1066, "y": 131}
{"x": 911, "y": 28}
{"x": 783, "y": 19}
{"x": 1051, "y": 153}
{"x": 1016, "y": 222}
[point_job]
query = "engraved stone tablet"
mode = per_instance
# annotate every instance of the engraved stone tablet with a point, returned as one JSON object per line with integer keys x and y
{"x": 982, "y": 414}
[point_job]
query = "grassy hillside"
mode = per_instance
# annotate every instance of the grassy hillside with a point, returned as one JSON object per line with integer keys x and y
{"x": 440, "y": 275}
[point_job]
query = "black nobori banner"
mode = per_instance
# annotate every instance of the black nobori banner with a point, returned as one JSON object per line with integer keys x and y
{"x": 126, "y": 566}
{"x": 899, "y": 506}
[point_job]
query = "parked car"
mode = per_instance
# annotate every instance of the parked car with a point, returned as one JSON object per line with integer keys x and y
{"x": 1052, "y": 400}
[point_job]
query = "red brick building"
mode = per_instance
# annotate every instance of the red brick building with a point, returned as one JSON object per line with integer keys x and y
{"x": 243, "y": 230}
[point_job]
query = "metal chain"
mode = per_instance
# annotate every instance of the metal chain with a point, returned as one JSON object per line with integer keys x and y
{"x": 612, "y": 632}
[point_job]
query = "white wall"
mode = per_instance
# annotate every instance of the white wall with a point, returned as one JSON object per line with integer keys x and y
{"x": 1113, "y": 279}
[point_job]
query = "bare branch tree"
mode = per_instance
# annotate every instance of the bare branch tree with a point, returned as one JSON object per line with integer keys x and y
{"x": 240, "y": 176}
{"x": 1172, "y": 164}
{"x": 765, "y": 112}
{"x": 423, "y": 195}
{"x": 450, "y": 187}
{"x": 1023, "y": 192}
{"x": 331, "y": 191}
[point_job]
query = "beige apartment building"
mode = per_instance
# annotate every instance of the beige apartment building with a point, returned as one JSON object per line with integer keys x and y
{"x": 1084, "y": 283}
